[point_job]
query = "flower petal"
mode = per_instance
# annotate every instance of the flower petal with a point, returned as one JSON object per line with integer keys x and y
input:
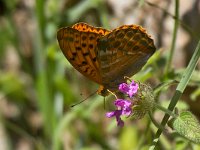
{"x": 129, "y": 89}
{"x": 120, "y": 122}
{"x": 110, "y": 114}
{"x": 123, "y": 87}
{"x": 118, "y": 114}
{"x": 127, "y": 103}
{"x": 133, "y": 89}
{"x": 127, "y": 111}
{"x": 119, "y": 102}
{"x": 123, "y": 106}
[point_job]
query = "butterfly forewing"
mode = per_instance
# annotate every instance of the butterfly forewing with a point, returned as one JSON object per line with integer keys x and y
{"x": 123, "y": 52}
{"x": 83, "y": 27}
{"x": 80, "y": 50}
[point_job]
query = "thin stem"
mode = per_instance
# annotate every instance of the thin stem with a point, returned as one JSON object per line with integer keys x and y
{"x": 176, "y": 23}
{"x": 45, "y": 99}
{"x": 165, "y": 110}
{"x": 142, "y": 139}
{"x": 155, "y": 122}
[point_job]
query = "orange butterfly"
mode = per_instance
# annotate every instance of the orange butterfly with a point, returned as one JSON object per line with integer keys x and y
{"x": 104, "y": 56}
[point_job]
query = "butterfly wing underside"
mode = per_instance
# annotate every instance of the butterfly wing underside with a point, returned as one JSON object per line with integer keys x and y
{"x": 123, "y": 52}
{"x": 78, "y": 43}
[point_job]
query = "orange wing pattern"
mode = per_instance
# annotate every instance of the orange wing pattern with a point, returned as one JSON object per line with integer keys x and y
{"x": 78, "y": 44}
{"x": 83, "y": 27}
{"x": 106, "y": 56}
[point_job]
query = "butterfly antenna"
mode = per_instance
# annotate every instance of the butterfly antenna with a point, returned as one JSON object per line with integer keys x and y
{"x": 84, "y": 99}
{"x": 127, "y": 78}
{"x": 112, "y": 93}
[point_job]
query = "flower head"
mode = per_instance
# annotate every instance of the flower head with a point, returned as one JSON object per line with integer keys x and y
{"x": 140, "y": 102}
{"x": 123, "y": 108}
{"x": 129, "y": 89}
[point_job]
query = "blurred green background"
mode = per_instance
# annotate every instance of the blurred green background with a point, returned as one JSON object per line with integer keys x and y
{"x": 38, "y": 85}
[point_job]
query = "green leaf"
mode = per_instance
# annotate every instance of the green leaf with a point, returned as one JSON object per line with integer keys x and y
{"x": 187, "y": 126}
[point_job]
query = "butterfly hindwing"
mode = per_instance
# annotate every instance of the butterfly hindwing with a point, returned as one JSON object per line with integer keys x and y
{"x": 123, "y": 52}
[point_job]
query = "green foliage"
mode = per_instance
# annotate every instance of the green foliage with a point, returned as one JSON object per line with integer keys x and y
{"x": 36, "y": 94}
{"x": 13, "y": 85}
{"x": 187, "y": 125}
{"x": 127, "y": 138}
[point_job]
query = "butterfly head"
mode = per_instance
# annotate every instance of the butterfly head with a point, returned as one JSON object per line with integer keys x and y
{"x": 102, "y": 91}
{"x": 105, "y": 91}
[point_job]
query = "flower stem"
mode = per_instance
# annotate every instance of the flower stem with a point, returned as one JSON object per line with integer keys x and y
{"x": 159, "y": 126}
{"x": 155, "y": 122}
{"x": 176, "y": 23}
{"x": 165, "y": 110}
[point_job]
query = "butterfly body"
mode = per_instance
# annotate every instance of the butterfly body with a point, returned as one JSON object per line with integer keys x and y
{"x": 104, "y": 56}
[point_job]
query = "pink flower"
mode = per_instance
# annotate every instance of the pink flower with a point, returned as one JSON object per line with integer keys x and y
{"x": 123, "y": 108}
{"x": 129, "y": 89}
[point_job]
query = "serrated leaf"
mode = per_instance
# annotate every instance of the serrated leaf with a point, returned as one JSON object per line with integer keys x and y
{"x": 187, "y": 126}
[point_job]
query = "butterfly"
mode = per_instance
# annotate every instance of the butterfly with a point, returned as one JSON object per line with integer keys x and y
{"x": 105, "y": 56}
